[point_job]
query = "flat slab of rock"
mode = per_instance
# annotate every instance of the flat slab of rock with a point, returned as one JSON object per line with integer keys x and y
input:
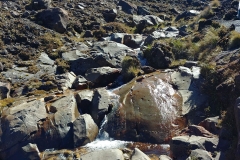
{"x": 109, "y": 154}
{"x": 44, "y": 59}
{"x": 188, "y": 81}
{"x": 111, "y": 53}
{"x": 73, "y": 55}
{"x": 102, "y": 76}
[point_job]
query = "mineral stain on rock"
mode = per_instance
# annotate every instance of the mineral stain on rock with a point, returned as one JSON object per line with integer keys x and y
{"x": 148, "y": 111}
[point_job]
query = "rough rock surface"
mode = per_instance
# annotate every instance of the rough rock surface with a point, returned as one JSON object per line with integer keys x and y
{"x": 84, "y": 101}
{"x": 18, "y": 126}
{"x": 84, "y": 129}
{"x": 100, "y": 105}
{"x": 102, "y": 76}
{"x": 65, "y": 81}
{"x": 54, "y": 18}
{"x": 187, "y": 81}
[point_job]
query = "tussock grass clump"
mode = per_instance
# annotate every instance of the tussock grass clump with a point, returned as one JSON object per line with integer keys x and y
{"x": 207, "y": 13}
{"x": 62, "y": 65}
{"x": 130, "y": 68}
{"x": 119, "y": 27}
{"x": 215, "y": 3}
{"x": 6, "y": 102}
{"x": 33, "y": 69}
{"x": 234, "y": 40}
{"x": 50, "y": 42}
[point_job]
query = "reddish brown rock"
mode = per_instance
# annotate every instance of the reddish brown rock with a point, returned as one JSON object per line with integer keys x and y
{"x": 148, "y": 110}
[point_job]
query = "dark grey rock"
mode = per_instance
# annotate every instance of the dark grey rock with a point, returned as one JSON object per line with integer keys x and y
{"x": 84, "y": 101}
{"x": 31, "y": 151}
{"x": 110, "y": 15}
{"x": 4, "y": 90}
{"x": 142, "y": 10}
{"x": 110, "y": 53}
{"x": 100, "y": 105}
{"x": 84, "y": 130}
{"x": 127, "y": 7}
{"x": 102, "y": 76}
{"x": 88, "y": 34}
{"x": 54, "y": 18}
{"x": 18, "y": 123}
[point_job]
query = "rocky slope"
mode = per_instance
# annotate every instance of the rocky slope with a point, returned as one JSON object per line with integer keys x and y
{"x": 119, "y": 79}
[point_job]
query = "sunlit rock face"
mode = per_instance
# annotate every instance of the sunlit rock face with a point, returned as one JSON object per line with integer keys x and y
{"x": 148, "y": 111}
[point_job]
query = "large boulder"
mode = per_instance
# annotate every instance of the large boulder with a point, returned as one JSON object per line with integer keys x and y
{"x": 148, "y": 110}
{"x": 54, "y": 18}
{"x": 55, "y": 125}
{"x": 130, "y": 40}
{"x": 159, "y": 56}
{"x": 84, "y": 130}
{"x": 4, "y": 90}
{"x": 102, "y": 76}
{"x": 100, "y": 105}
{"x": 18, "y": 125}
{"x": 65, "y": 112}
{"x": 188, "y": 83}
{"x": 110, "y": 15}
